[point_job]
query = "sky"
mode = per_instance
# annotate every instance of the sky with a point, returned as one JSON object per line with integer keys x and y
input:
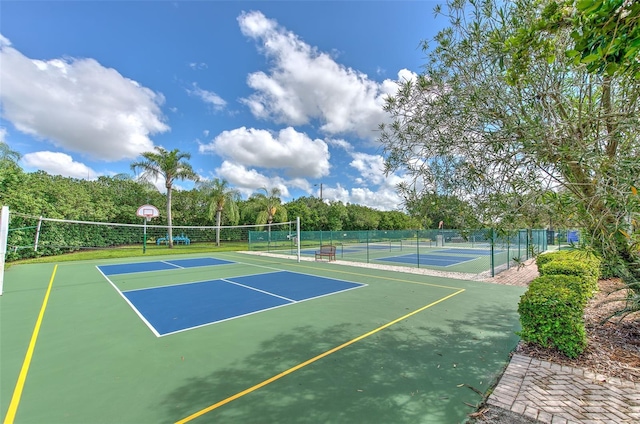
{"x": 260, "y": 94}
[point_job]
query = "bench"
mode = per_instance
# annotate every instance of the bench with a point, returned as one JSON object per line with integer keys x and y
{"x": 327, "y": 250}
{"x": 176, "y": 239}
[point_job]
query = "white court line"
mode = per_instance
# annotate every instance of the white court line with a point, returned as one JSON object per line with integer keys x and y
{"x": 258, "y": 290}
{"x": 263, "y": 310}
{"x": 153, "y": 330}
{"x": 172, "y": 264}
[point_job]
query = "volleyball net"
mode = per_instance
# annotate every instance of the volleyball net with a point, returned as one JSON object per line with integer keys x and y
{"x": 30, "y": 236}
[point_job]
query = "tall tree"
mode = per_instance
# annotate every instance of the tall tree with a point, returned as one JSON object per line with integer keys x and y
{"x": 170, "y": 165}
{"x": 493, "y": 113}
{"x": 269, "y": 206}
{"x": 221, "y": 198}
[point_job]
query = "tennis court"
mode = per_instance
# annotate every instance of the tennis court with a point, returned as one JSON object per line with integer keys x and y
{"x": 471, "y": 260}
{"x": 231, "y": 338}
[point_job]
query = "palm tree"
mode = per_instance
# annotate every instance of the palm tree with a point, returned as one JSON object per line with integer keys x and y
{"x": 7, "y": 154}
{"x": 269, "y": 204}
{"x": 222, "y": 198}
{"x": 169, "y": 165}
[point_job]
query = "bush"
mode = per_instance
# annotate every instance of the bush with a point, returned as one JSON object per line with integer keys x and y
{"x": 592, "y": 261}
{"x": 584, "y": 270}
{"x": 551, "y": 315}
{"x": 579, "y": 285}
{"x": 554, "y": 256}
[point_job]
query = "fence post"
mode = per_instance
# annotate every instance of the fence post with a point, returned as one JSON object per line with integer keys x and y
{"x": 298, "y": 237}
{"x": 493, "y": 261}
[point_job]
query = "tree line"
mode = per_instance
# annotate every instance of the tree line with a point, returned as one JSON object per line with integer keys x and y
{"x": 215, "y": 202}
{"x": 116, "y": 198}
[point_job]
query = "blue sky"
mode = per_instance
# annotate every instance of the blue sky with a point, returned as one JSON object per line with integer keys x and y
{"x": 261, "y": 94}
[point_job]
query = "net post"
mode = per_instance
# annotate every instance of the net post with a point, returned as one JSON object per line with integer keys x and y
{"x": 35, "y": 244}
{"x": 298, "y": 237}
{"x": 4, "y": 233}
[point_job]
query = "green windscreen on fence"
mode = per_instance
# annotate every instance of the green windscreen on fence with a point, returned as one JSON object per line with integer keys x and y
{"x": 468, "y": 251}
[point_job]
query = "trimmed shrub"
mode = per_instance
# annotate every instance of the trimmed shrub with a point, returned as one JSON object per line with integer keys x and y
{"x": 584, "y": 270}
{"x": 590, "y": 259}
{"x": 551, "y": 315}
{"x": 554, "y": 256}
{"x": 578, "y": 284}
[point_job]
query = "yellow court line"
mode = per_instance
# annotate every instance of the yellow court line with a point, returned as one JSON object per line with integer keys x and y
{"x": 17, "y": 393}
{"x": 310, "y": 361}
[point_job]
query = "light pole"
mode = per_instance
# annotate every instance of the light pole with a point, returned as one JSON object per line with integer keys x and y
{"x": 316, "y": 185}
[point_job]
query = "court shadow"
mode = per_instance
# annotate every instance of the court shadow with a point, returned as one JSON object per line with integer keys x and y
{"x": 413, "y": 372}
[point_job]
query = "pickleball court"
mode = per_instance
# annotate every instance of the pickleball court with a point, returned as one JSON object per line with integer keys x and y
{"x": 232, "y": 337}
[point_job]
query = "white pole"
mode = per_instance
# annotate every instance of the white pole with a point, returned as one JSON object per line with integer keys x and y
{"x": 4, "y": 233}
{"x": 35, "y": 245}
{"x": 298, "y": 235}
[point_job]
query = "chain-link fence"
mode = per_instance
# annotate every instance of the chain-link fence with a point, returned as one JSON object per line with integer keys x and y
{"x": 469, "y": 251}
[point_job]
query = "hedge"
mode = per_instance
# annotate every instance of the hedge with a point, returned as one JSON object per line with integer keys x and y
{"x": 584, "y": 270}
{"x": 571, "y": 255}
{"x": 551, "y": 314}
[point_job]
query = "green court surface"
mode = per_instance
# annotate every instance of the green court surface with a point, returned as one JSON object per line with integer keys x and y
{"x": 405, "y": 348}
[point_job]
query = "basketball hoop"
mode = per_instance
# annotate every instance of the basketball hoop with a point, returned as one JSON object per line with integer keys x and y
{"x": 148, "y": 211}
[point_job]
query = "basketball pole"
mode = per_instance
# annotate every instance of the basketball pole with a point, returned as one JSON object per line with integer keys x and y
{"x": 146, "y": 212}
{"x": 144, "y": 238}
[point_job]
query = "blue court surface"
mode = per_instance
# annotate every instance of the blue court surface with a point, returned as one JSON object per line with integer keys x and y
{"x": 428, "y": 259}
{"x": 477, "y": 252}
{"x": 160, "y": 265}
{"x": 176, "y": 308}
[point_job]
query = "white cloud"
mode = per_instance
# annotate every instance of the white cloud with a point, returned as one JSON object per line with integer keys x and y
{"x": 293, "y": 152}
{"x": 371, "y": 167}
{"x": 56, "y": 163}
{"x": 79, "y": 105}
{"x": 208, "y": 97}
{"x": 375, "y": 189}
{"x": 383, "y": 199}
{"x": 3, "y": 134}
{"x": 247, "y": 181}
{"x": 343, "y": 144}
{"x": 337, "y": 193}
{"x": 198, "y": 66}
{"x": 4, "y": 41}
{"x": 305, "y": 84}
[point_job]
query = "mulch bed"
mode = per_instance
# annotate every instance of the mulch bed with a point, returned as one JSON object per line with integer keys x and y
{"x": 613, "y": 348}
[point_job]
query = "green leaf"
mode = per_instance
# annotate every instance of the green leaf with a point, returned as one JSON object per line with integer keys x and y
{"x": 571, "y": 53}
{"x": 611, "y": 68}
{"x": 590, "y": 58}
{"x": 589, "y": 6}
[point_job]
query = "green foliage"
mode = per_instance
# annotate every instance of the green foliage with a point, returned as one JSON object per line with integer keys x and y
{"x": 429, "y": 209}
{"x": 116, "y": 199}
{"x": 499, "y": 101}
{"x": 582, "y": 286}
{"x": 589, "y": 272}
{"x": 570, "y": 255}
{"x": 362, "y": 218}
{"x": 551, "y": 315}
{"x": 268, "y": 206}
{"x": 604, "y": 36}
{"x": 170, "y": 166}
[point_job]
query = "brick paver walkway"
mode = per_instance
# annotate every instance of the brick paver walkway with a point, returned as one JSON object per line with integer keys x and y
{"x": 551, "y": 393}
